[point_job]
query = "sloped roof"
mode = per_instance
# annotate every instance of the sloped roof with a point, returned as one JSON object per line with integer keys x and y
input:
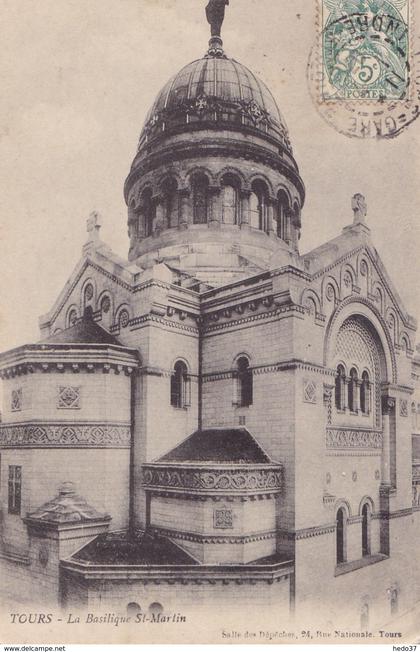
{"x": 230, "y": 445}
{"x": 147, "y": 549}
{"x": 86, "y": 331}
{"x": 67, "y": 507}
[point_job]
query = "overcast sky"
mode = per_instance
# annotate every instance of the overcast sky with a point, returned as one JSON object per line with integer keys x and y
{"x": 78, "y": 77}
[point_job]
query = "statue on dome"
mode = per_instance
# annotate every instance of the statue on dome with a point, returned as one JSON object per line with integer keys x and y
{"x": 215, "y": 12}
{"x": 359, "y": 206}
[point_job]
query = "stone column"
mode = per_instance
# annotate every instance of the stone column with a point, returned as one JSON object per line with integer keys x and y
{"x": 214, "y": 208}
{"x": 244, "y": 217}
{"x": 185, "y": 212}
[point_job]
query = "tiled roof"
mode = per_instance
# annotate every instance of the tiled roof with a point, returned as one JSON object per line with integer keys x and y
{"x": 230, "y": 445}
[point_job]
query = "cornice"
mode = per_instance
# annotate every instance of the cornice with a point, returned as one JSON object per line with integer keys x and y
{"x": 285, "y": 365}
{"x": 67, "y": 358}
{"x": 214, "y": 539}
{"x": 281, "y": 311}
{"x": 222, "y": 147}
{"x": 307, "y": 533}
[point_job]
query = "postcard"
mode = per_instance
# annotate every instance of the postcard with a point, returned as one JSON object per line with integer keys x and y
{"x": 210, "y": 370}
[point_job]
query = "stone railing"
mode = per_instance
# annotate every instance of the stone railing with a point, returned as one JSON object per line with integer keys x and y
{"x": 353, "y": 438}
{"x": 223, "y": 479}
{"x": 64, "y": 435}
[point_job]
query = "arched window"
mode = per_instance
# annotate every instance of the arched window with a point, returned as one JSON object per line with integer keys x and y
{"x": 364, "y": 617}
{"x": 133, "y": 608}
{"x": 244, "y": 383}
{"x": 200, "y": 187}
{"x": 258, "y": 206}
{"x": 88, "y": 295}
{"x": 230, "y": 203}
{"x": 283, "y": 216}
{"x": 366, "y": 518}
{"x": 148, "y": 210}
{"x": 72, "y": 318}
{"x": 413, "y": 416}
{"x": 341, "y": 535}
{"x": 180, "y": 386}
{"x": 171, "y": 203}
{"x": 365, "y": 394}
{"x": 340, "y": 395}
{"x": 352, "y": 401}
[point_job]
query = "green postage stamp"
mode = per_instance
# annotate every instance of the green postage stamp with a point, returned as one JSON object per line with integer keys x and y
{"x": 365, "y": 49}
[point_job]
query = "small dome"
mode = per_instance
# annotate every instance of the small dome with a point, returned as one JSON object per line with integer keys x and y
{"x": 215, "y": 90}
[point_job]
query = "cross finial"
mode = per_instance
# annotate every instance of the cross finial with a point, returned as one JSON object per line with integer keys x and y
{"x": 93, "y": 225}
{"x": 359, "y": 207}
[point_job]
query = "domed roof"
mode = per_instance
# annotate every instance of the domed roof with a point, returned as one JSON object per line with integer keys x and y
{"x": 216, "y": 89}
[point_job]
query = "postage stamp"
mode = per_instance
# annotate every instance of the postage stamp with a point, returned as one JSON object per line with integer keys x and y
{"x": 364, "y": 70}
{"x": 365, "y": 49}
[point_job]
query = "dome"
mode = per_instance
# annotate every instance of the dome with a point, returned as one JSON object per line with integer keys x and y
{"x": 215, "y": 90}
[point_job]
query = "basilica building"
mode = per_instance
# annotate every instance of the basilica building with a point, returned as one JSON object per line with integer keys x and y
{"x": 218, "y": 419}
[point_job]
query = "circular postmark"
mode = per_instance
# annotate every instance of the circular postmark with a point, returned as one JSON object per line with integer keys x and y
{"x": 364, "y": 69}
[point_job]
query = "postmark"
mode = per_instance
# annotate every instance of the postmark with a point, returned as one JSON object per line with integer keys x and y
{"x": 364, "y": 69}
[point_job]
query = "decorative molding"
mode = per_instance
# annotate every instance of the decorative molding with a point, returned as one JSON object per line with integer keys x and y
{"x": 68, "y": 398}
{"x": 307, "y": 533}
{"x": 222, "y": 518}
{"x": 65, "y": 435}
{"x": 346, "y": 438}
{"x": 403, "y": 407}
{"x": 204, "y": 480}
{"x": 309, "y": 391}
{"x": 214, "y": 539}
{"x": 286, "y": 365}
{"x": 255, "y": 317}
{"x": 16, "y": 400}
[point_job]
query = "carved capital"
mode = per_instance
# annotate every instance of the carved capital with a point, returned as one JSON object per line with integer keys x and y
{"x": 388, "y": 405}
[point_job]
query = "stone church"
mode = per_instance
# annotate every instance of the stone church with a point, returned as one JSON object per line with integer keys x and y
{"x": 219, "y": 419}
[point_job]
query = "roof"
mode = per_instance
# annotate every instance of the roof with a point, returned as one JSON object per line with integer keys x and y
{"x": 85, "y": 331}
{"x": 67, "y": 507}
{"x": 216, "y": 84}
{"x": 142, "y": 548}
{"x": 230, "y": 445}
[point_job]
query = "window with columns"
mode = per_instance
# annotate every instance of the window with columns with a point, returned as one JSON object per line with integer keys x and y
{"x": 148, "y": 212}
{"x": 230, "y": 200}
{"x": 352, "y": 391}
{"x": 200, "y": 190}
{"x": 340, "y": 388}
{"x": 365, "y": 398}
{"x": 171, "y": 203}
{"x": 258, "y": 206}
{"x": 283, "y": 216}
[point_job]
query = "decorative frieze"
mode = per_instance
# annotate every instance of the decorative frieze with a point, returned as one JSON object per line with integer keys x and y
{"x": 346, "y": 438}
{"x": 64, "y": 435}
{"x": 205, "y": 480}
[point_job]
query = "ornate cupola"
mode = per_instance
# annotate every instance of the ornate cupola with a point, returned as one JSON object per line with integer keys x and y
{"x": 214, "y": 190}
